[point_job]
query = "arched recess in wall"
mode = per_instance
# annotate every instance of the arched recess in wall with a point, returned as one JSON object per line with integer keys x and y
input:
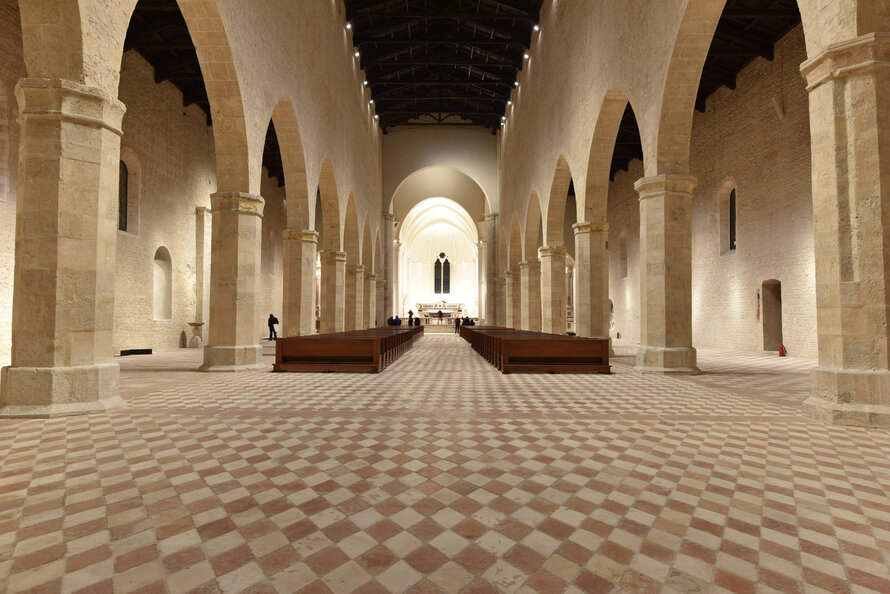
{"x": 129, "y": 191}
{"x": 163, "y": 285}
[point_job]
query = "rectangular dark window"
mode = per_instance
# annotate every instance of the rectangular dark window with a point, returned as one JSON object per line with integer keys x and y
{"x": 122, "y": 193}
{"x": 446, "y": 277}
{"x": 732, "y": 220}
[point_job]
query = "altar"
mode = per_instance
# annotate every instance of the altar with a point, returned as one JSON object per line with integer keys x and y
{"x": 429, "y": 312}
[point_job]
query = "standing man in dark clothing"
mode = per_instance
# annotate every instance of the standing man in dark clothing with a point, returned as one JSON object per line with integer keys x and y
{"x": 273, "y": 323}
{"x": 457, "y": 325}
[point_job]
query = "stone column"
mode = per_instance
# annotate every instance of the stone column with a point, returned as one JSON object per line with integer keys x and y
{"x": 381, "y": 314}
{"x": 514, "y": 313}
{"x": 591, "y": 280}
{"x": 492, "y": 305}
{"x": 388, "y": 266}
{"x": 666, "y": 275}
{"x": 333, "y": 291}
{"x": 66, "y": 237}
{"x": 234, "y": 283}
{"x": 355, "y": 282}
{"x": 500, "y": 295}
{"x": 369, "y": 301}
{"x": 397, "y": 296}
{"x": 481, "y": 284}
{"x": 849, "y": 86}
{"x": 553, "y": 289}
{"x": 530, "y": 274}
{"x": 203, "y": 244}
{"x": 298, "y": 318}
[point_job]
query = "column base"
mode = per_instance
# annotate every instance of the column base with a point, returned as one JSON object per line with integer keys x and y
{"x": 233, "y": 358}
{"x": 43, "y": 392}
{"x": 858, "y": 397}
{"x": 667, "y": 361}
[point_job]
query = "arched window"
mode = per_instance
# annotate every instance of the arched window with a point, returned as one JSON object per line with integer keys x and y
{"x": 123, "y": 193}
{"x": 732, "y": 219}
{"x": 442, "y": 275}
{"x": 163, "y": 285}
{"x": 727, "y": 210}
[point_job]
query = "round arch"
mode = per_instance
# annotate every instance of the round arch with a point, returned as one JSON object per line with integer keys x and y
{"x": 437, "y": 181}
{"x": 593, "y": 205}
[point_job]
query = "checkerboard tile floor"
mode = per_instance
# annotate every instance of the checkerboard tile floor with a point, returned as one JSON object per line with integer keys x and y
{"x": 441, "y": 475}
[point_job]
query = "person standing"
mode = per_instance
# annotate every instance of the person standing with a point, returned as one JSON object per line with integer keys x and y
{"x": 273, "y": 327}
{"x": 456, "y": 325}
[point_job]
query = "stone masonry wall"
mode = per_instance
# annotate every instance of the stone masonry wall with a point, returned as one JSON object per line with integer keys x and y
{"x": 739, "y": 142}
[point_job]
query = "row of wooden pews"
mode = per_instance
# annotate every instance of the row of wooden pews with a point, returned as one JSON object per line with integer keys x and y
{"x": 365, "y": 351}
{"x": 511, "y": 350}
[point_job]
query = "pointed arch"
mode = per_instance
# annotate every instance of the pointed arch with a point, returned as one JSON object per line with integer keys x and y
{"x": 592, "y": 206}
{"x": 514, "y": 243}
{"x": 378, "y": 256}
{"x": 290, "y": 145}
{"x": 556, "y": 205}
{"x": 330, "y": 208}
{"x": 350, "y": 232}
{"x": 533, "y": 227}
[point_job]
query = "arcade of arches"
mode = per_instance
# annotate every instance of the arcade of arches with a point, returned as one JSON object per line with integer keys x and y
{"x": 172, "y": 204}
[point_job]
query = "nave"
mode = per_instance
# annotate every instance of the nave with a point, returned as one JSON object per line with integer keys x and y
{"x": 441, "y": 474}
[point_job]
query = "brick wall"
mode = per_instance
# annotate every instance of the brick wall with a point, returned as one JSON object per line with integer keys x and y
{"x": 739, "y": 142}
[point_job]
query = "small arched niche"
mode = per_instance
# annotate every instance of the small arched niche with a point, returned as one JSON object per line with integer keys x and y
{"x": 163, "y": 285}
{"x": 771, "y": 293}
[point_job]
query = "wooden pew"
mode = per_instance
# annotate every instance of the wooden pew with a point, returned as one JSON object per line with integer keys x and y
{"x": 512, "y": 351}
{"x": 363, "y": 351}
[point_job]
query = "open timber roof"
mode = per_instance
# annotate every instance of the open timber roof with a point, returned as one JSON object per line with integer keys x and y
{"x": 441, "y": 61}
{"x": 454, "y": 62}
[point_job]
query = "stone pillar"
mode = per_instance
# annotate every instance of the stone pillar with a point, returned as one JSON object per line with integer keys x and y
{"x": 355, "y": 282}
{"x": 514, "y": 312}
{"x": 66, "y": 237}
{"x": 203, "y": 244}
{"x": 298, "y": 317}
{"x": 381, "y": 314}
{"x": 500, "y": 295}
{"x": 481, "y": 284}
{"x": 530, "y": 275}
{"x": 666, "y": 275}
{"x": 333, "y": 291}
{"x": 369, "y": 301}
{"x": 388, "y": 267}
{"x": 849, "y": 86}
{"x": 492, "y": 305}
{"x": 234, "y": 283}
{"x": 397, "y": 292}
{"x": 553, "y": 289}
{"x": 591, "y": 279}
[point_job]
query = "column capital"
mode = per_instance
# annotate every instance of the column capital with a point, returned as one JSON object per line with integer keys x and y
{"x": 493, "y": 216}
{"x": 853, "y": 56}
{"x": 69, "y": 101}
{"x": 306, "y": 235}
{"x": 241, "y": 202}
{"x": 548, "y": 251}
{"x": 201, "y": 210}
{"x": 526, "y": 264}
{"x": 388, "y": 216}
{"x": 659, "y": 185}
{"x": 355, "y": 268}
{"x": 333, "y": 254}
{"x": 371, "y": 276}
{"x": 581, "y": 228}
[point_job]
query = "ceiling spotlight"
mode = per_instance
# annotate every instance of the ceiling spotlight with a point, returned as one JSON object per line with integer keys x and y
{"x": 509, "y": 102}
{"x": 348, "y": 25}
{"x": 356, "y": 53}
{"x": 376, "y": 117}
{"x": 371, "y": 102}
{"x": 503, "y": 118}
{"x": 515, "y": 83}
{"x": 365, "y": 82}
{"x": 537, "y": 28}
{"x": 525, "y": 55}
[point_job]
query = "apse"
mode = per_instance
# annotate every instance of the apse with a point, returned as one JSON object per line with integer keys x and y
{"x": 438, "y": 259}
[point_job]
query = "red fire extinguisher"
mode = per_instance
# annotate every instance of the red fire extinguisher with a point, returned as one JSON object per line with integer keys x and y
{"x": 782, "y": 351}
{"x": 618, "y": 335}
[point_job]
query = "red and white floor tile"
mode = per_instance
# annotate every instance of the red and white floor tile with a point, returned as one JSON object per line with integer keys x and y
{"x": 442, "y": 475}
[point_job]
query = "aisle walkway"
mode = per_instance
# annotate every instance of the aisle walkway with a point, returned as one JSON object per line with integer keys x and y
{"x": 443, "y": 475}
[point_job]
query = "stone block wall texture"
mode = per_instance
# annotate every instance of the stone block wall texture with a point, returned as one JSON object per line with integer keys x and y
{"x": 740, "y": 142}
{"x": 175, "y": 169}
{"x": 12, "y": 68}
